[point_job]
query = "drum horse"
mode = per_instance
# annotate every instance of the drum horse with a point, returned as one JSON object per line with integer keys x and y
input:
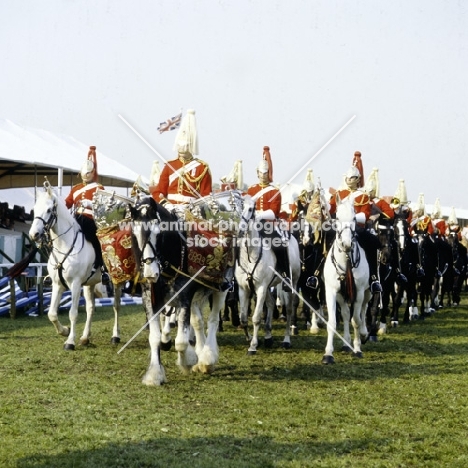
{"x": 188, "y": 274}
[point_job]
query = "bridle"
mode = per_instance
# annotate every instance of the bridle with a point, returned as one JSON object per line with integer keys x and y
{"x": 49, "y": 224}
{"x": 352, "y": 254}
{"x": 143, "y": 210}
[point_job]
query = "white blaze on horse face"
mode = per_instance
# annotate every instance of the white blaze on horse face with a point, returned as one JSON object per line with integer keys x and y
{"x": 400, "y": 231}
{"x": 345, "y": 224}
{"x": 146, "y": 236}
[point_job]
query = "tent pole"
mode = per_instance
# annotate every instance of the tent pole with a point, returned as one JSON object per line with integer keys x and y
{"x": 60, "y": 180}
{"x": 35, "y": 184}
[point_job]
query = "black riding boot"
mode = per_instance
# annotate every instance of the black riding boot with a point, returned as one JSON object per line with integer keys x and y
{"x": 370, "y": 243}
{"x": 282, "y": 265}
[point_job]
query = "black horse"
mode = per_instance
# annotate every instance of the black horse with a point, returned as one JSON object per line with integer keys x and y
{"x": 389, "y": 274}
{"x": 410, "y": 268}
{"x": 453, "y": 286}
{"x": 314, "y": 243}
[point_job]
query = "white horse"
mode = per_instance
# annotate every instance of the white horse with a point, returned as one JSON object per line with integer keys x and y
{"x": 70, "y": 265}
{"x": 255, "y": 272}
{"x": 346, "y": 278}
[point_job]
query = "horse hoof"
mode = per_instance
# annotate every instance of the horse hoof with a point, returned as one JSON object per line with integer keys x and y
{"x": 346, "y": 349}
{"x": 294, "y": 330}
{"x": 115, "y": 340}
{"x": 268, "y": 342}
{"x": 286, "y": 345}
{"x": 69, "y": 347}
{"x": 358, "y": 355}
{"x": 373, "y": 338}
{"x": 166, "y": 346}
{"x": 394, "y": 323}
{"x": 251, "y": 352}
{"x": 328, "y": 359}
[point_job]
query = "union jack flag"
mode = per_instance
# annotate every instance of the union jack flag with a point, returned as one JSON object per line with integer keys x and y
{"x": 170, "y": 124}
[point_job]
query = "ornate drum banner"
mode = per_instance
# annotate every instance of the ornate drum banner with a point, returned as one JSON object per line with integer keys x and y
{"x": 210, "y": 249}
{"x": 116, "y": 245}
{"x": 115, "y": 235}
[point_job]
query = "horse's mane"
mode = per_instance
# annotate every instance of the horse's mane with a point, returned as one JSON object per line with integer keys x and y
{"x": 345, "y": 210}
{"x": 62, "y": 210}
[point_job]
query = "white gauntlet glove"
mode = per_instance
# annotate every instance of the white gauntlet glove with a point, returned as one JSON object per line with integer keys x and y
{"x": 266, "y": 214}
{"x": 85, "y": 203}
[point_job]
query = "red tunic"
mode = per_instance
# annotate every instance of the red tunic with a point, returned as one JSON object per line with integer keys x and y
{"x": 423, "y": 224}
{"x": 83, "y": 191}
{"x": 378, "y": 205}
{"x": 440, "y": 226}
{"x": 361, "y": 201}
{"x": 183, "y": 181}
{"x": 269, "y": 200}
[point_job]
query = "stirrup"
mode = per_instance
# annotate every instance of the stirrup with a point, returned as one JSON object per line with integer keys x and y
{"x": 227, "y": 286}
{"x": 47, "y": 281}
{"x": 375, "y": 287}
{"x": 286, "y": 284}
{"x": 105, "y": 278}
{"x": 312, "y": 282}
{"x": 402, "y": 278}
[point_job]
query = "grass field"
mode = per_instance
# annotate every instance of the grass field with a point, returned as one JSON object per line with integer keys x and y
{"x": 402, "y": 405}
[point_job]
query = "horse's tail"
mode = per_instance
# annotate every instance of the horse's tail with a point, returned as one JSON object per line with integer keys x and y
{"x": 19, "y": 267}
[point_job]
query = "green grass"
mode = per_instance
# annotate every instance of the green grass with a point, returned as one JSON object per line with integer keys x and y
{"x": 402, "y": 405}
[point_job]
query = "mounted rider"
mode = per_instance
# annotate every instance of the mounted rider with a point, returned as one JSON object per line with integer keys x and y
{"x": 80, "y": 199}
{"x": 421, "y": 222}
{"x": 453, "y": 228}
{"x": 304, "y": 198}
{"x": 267, "y": 210}
{"x": 362, "y": 206}
{"x": 186, "y": 178}
{"x": 382, "y": 216}
{"x": 400, "y": 204}
{"x": 438, "y": 222}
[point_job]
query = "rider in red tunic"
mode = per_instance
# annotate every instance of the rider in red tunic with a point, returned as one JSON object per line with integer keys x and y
{"x": 438, "y": 222}
{"x": 421, "y": 222}
{"x": 186, "y": 178}
{"x": 80, "y": 199}
{"x": 362, "y": 206}
{"x": 268, "y": 209}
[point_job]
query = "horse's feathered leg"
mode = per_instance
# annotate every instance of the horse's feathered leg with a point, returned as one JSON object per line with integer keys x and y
{"x": 155, "y": 374}
{"x": 187, "y": 357}
{"x": 209, "y": 355}
{"x": 115, "y": 339}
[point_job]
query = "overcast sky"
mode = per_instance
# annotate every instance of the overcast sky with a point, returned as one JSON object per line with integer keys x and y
{"x": 288, "y": 74}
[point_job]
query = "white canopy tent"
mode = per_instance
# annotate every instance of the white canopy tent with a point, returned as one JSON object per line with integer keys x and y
{"x": 27, "y": 155}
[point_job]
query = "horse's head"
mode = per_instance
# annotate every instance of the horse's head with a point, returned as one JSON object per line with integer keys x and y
{"x": 345, "y": 224}
{"x": 45, "y": 214}
{"x": 146, "y": 229}
{"x": 385, "y": 234}
{"x": 401, "y": 232}
{"x": 247, "y": 214}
